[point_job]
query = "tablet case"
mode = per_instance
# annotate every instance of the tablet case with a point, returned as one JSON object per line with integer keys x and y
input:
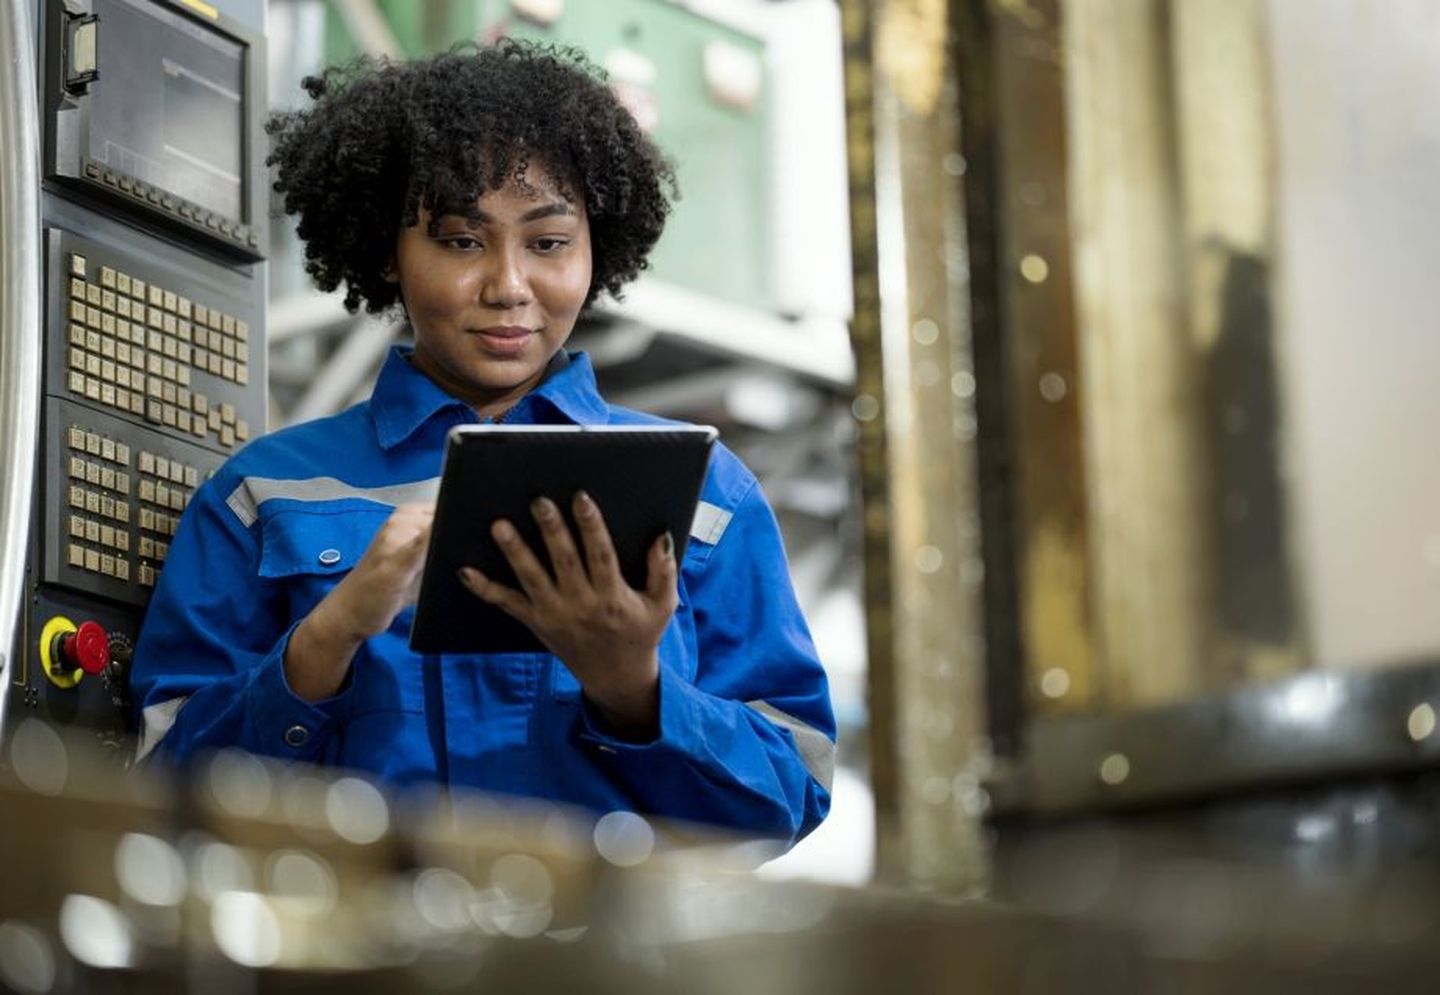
{"x": 645, "y": 480}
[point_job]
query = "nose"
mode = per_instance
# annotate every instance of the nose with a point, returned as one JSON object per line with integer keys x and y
{"x": 504, "y": 283}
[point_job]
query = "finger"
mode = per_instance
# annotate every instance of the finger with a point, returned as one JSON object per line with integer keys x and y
{"x": 403, "y": 525}
{"x": 660, "y": 578}
{"x": 564, "y": 557}
{"x": 600, "y": 557}
{"x": 421, "y": 539}
{"x": 534, "y": 581}
{"x": 505, "y": 598}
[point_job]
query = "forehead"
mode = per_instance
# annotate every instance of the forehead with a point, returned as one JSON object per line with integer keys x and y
{"x": 534, "y": 184}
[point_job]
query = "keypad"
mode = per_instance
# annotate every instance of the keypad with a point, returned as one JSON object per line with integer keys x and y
{"x": 123, "y": 508}
{"x": 136, "y": 347}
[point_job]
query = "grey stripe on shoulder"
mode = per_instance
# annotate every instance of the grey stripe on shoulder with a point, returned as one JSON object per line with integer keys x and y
{"x": 816, "y": 750}
{"x": 245, "y": 500}
{"x": 710, "y": 522}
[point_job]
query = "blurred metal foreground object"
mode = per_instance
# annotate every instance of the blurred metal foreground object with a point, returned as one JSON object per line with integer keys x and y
{"x": 1313, "y": 728}
{"x": 19, "y": 318}
{"x": 259, "y": 877}
{"x": 916, "y": 430}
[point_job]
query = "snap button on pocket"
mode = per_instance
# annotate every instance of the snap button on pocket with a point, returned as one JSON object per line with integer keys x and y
{"x": 329, "y": 557}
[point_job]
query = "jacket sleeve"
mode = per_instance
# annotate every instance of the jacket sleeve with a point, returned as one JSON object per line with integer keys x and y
{"x": 750, "y": 743}
{"x": 209, "y": 665}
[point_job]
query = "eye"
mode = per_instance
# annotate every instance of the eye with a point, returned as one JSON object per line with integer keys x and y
{"x": 464, "y": 243}
{"x": 550, "y": 244}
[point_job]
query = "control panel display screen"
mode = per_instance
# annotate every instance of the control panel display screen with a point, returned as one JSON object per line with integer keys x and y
{"x": 170, "y": 107}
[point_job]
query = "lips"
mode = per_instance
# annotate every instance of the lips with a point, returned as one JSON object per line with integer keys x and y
{"x": 504, "y": 340}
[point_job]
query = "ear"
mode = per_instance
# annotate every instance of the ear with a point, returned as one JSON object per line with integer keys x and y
{"x": 388, "y": 272}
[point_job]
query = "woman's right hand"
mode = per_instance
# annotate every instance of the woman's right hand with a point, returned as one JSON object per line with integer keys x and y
{"x": 386, "y": 579}
{"x": 364, "y": 604}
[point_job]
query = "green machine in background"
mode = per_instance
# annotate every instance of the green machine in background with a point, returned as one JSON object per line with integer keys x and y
{"x": 698, "y": 85}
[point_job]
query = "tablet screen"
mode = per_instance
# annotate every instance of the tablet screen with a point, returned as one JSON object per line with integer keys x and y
{"x": 646, "y": 481}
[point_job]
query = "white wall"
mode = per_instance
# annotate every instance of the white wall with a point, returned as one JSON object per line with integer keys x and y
{"x": 1357, "y": 88}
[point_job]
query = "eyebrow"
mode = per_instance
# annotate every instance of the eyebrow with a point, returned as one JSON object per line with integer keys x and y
{"x": 550, "y": 210}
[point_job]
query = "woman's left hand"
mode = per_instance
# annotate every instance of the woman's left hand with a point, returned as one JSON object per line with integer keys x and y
{"x": 605, "y": 631}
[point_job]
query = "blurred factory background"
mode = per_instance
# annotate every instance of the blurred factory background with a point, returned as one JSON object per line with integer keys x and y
{"x": 1086, "y": 350}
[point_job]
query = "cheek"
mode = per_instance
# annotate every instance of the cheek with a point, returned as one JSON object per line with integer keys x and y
{"x": 436, "y": 291}
{"x": 569, "y": 289}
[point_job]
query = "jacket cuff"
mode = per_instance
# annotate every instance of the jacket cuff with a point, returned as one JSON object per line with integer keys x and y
{"x": 282, "y": 723}
{"x": 680, "y": 724}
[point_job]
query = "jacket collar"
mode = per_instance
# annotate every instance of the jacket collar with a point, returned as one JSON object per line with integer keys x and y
{"x": 405, "y": 399}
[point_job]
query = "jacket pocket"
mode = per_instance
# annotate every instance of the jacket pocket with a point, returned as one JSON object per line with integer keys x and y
{"x": 308, "y": 551}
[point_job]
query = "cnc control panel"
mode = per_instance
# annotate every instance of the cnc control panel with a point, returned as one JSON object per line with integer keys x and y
{"x": 153, "y": 331}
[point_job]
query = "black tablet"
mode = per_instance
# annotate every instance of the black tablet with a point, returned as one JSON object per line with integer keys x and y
{"x": 646, "y": 481}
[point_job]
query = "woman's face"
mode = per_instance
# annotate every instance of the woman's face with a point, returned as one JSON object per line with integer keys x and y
{"x": 492, "y": 300}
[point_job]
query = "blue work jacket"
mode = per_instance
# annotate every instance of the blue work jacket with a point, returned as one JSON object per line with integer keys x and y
{"x": 746, "y": 733}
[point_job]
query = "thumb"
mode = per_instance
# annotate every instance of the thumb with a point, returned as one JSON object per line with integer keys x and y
{"x": 660, "y": 579}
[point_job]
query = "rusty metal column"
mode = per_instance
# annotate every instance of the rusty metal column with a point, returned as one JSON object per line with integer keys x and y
{"x": 914, "y": 407}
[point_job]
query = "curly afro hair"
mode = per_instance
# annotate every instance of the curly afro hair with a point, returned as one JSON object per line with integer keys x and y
{"x": 382, "y": 139}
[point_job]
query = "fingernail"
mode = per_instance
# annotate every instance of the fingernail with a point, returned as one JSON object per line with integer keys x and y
{"x": 586, "y": 504}
{"x": 542, "y": 507}
{"x": 502, "y": 530}
{"x": 669, "y": 546}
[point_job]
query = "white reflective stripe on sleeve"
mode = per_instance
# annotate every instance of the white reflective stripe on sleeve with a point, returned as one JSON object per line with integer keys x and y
{"x": 815, "y": 747}
{"x": 156, "y": 721}
{"x": 245, "y": 499}
{"x": 710, "y": 522}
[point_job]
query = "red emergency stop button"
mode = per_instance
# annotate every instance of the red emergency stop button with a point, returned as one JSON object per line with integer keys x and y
{"x": 88, "y": 648}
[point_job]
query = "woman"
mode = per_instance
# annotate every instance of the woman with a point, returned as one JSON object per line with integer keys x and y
{"x": 492, "y": 196}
